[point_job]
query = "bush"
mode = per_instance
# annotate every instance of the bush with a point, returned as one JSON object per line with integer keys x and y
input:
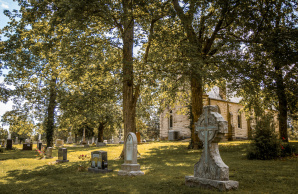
{"x": 265, "y": 145}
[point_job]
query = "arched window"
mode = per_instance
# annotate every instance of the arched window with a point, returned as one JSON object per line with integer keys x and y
{"x": 239, "y": 119}
{"x": 171, "y": 119}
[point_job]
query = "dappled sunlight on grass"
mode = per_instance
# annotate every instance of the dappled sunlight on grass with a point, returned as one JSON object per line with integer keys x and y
{"x": 165, "y": 165}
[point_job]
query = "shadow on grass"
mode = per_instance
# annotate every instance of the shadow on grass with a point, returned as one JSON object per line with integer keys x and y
{"x": 165, "y": 168}
{"x": 17, "y": 154}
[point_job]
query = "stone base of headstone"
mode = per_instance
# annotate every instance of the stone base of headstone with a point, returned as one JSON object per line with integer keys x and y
{"x": 130, "y": 170}
{"x": 96, "y": 170}
{"x": 100, "y": 144}
{"x": 62, "y": 161}
{"x": 192, "y": 181}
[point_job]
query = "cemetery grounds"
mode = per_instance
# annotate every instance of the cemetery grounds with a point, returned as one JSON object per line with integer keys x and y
{"x": 165, "y": 165}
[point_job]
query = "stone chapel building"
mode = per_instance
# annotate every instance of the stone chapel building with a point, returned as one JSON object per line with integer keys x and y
{"x": 238, "y": 126}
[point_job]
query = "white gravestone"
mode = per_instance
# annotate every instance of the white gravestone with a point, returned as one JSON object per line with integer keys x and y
{"x": 211, "y": 172}
{"x": 130, "y": 166}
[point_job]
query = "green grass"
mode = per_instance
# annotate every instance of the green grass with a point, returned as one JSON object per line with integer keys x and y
{"x": 165, "y": 165}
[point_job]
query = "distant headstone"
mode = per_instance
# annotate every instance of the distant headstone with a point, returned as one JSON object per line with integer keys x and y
{"x": 93, "y": 140}
{"x": 100, "y": 144}
{"x": 9, "y": 136}
{"x": 9, "y": 144}
{"x": 130, "y": 166}
{"x": 99, "y": 162}
{"x": 96, "y": 141}
{"x": 62, "y": 155}
{"x": 49, "y": 152}
{"x": 27, "y": 146}
{"x": 2, "y": 143}
{"x": 59, "y": 143}
{"x": 16, "y": 141}
{"x": 116, "y": 140}
{"x": 211, "y": 171}
{"x": 105, "y": 141}
{"x": 39, "y": 146}
{"x": 39, "y": 138}
{"x": 27, "y": 141}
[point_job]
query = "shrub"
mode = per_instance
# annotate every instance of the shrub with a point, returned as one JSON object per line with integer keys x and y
{"x": 265, "y": 145}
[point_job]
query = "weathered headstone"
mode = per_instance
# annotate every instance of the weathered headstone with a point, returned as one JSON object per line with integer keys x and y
{"x": 62, "y": 155}
{"x": 27, "y": 146}
{"x": 116, "y": 140}
{"x": 9, "y": 143}
{"x": 93, "y": 140}
{"x": 16, "y": 141}
{"x": 130, "y": 166}
{"x": 99, "y": 162}
{"x": 69, "y": 139}
{"x": 211, "y": 171}
{"x": 39, "y": 146}
{"x": 49, "y": 152}
{"x": 39, "y": 138}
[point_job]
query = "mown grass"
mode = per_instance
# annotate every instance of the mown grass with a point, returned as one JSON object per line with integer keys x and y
{"x": 165, "y": 165}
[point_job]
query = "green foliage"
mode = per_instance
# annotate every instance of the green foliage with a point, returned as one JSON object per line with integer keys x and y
{"x": 265, "y": 144}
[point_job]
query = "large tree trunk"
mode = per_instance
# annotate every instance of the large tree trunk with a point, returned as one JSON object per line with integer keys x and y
{"x": 129, "y": 109}
{"x": 282, "y": 105}
{"x": 51, "y": 113}
{"x": 197, "y": 108}
{"x": 100, "y": 132}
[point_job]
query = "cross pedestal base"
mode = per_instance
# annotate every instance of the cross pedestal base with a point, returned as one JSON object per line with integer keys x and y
{"x": 192, "y": 181}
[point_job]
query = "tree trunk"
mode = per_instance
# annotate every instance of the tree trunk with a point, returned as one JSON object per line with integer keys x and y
{"x": 282, "y": 105}
{"x": 100, "y": 132}
{"x": 51, "y": 113}
{"x": 129, "y": 109}
{"x": 197, "y": 108}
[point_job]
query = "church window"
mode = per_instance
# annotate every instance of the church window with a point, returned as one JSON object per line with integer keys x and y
{"x": 171, "y": 120}
{"x": 239, "y": 120}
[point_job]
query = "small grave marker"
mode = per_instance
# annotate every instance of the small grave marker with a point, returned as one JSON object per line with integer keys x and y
{"x": 99, "y": 162}
{"x": 62, "y": 155}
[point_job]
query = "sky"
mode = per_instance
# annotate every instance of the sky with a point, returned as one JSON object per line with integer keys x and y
{"x": 6, "y": 5}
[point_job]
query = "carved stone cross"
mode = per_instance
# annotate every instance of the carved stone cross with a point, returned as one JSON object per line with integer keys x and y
{"x": 207, "y": 130}
{"x": 210, "y": 171}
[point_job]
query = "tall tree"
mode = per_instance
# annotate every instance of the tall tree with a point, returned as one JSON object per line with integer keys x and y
{"x": 270, "y": 57}
{"x": 209, "y": 27}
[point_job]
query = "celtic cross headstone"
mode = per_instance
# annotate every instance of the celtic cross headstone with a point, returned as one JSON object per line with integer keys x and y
{"x": 211, "y": 171}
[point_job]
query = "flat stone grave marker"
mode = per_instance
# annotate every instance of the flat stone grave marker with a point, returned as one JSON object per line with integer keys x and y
{"x": 99, "y": 162}
{"x": 62, "y": 155}
{"x": 27, "y": 146}
{"x": 211, "y": 172}
{"x": 59, "y": 142}
{"x": 130, "y": 166}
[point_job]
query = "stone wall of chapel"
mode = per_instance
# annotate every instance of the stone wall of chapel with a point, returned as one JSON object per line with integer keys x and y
{"x": 180, "y": 123}
{"x": 241, "y": 132}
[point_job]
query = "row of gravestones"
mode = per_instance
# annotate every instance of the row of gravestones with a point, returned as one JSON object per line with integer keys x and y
{"x": 209, "y": 172}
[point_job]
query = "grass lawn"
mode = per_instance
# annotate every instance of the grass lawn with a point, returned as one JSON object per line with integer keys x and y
{"x": 165, "y": 165}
